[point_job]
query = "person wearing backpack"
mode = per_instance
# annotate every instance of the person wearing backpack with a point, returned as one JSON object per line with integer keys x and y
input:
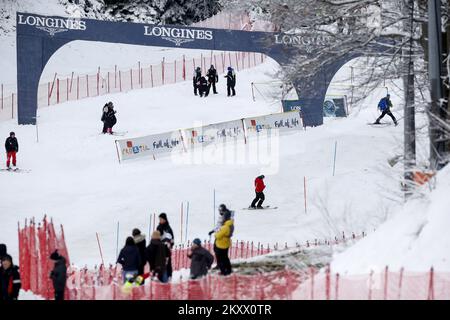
{"x": 385, "y": 106}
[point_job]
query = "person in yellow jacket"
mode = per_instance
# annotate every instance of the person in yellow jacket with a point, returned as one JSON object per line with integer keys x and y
{"x": 223, "y": 243}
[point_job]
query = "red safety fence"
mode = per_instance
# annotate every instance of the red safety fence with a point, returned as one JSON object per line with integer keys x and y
{"x": 36, "y": 243}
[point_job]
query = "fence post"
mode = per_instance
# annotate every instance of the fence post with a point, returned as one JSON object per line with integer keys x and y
{"x": 370, "y": 285}
{"x": 115, "y": 76}
{"x": 57, "y": 90}
{"x": 184, "y": 68}
{"x": 336, "y": 293}
{"x": 400, "y": 283}
{"x": 131, "y": 76}
{"x": 98, "y": 81}
{"x": 78, "y": 87}
{"x": 162, "y": 70}
{"x": 431, "y": 285}
{"x": 327, "y": 282}
{"x": 175, "y": 71}
{"x": 12, "y": 105}
{"x": 2, "y": 96}
{"x": 385, "y": 291}
{"x": 108, "y": 83}
{"x": 48, "y": 94}
{"x": 67, "y": 89}
{"x": 151, "y": 75}
{"x": 87, "y": 85}
{"x": 120, "y": 81}
{"x": 312, "y": 282}
{"x": 139, "y": 74}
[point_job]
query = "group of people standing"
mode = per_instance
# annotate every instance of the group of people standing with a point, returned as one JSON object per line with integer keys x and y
{"x": 202, "y": 85}
{"x": 135, "y": 254}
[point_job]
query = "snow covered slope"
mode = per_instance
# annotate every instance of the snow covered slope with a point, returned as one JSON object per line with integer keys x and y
{"x": 77, "y": 180}
{"x": 415, "y": 238}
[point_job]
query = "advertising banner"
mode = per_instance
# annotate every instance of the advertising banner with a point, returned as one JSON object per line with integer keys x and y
{"x": 214, "y": 133}
{"x": 152, "y": 145}
{"x": 282, "y": 121}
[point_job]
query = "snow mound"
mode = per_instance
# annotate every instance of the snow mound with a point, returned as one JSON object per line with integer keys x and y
{"x": 415, "y": 238}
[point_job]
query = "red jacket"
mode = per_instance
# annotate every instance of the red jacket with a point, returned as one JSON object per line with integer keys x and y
{"x": 259, "y": 185}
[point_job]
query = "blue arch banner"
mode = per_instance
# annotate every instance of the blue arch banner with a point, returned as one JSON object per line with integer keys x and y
{"x": 39, "y": 37}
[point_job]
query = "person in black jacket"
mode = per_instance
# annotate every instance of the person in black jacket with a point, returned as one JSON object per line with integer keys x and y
{"x": 108, "y": 117}
{"x": 203, "y": 88}
{"x": 58, "y": 275}
{"x": 157, "y": 254}
{"x": 201, "y": 260}
{"x": 12, "y": 147}
{"x": 231, "y": 82}
{"x": 213, "y": 78}
{"x": 165, "y": 230}
{"x": 139, "y": 240}
{"x": 196, "y": 79}
{"x": 130, "y": 260}
{"x": 10, "y": 283}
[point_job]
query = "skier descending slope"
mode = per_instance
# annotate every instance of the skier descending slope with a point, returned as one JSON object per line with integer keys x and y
{"x": 12, "y": 147}
{"x": 385, "y": 106}
{"x": 259, "y": 188}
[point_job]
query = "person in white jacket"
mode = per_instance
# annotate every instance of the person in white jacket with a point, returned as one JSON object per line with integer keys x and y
{"x": 224, "y": 215}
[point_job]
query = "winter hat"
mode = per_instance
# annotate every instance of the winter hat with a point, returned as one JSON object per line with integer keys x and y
{"x": 222, "y": 209}
{"x": 261, "y": 176}
{"x": 197, "y": 241}
{"x": 55, "y": 255}
{"x": 164, "y": 216}
{"x": 7, "y": 257}
{"x": 12, "y": 133}
{"x": 136, "y": 232}
{"x": 3, "y": 249}
{"x": 229, "y": 69}
{"x": 156, "y": 235}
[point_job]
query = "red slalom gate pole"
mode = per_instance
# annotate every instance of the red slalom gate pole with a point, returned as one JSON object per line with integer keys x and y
{"x": 385, "y": 290}
{"x": 431, "y": 285}
{"x": 327, "y": 282}
{"x": 184, "y": 68}
{"x": 100, "y": 248}
{"x": 48, "y": 94}
{"x": 57, "y": 90}
{"x": 181, "y": 228}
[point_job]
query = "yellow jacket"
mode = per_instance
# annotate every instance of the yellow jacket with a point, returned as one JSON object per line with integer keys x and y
{"x": 223, "y": 235}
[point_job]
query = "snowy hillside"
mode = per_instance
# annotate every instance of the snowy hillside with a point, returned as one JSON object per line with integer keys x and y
{"x": 416, "y": 238}
{"x": 76, "y": 179}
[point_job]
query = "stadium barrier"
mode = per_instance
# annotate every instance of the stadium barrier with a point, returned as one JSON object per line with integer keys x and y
{"x": 185, "y": 140}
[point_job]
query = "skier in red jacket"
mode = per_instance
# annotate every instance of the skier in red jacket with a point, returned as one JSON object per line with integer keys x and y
{"x": 259, "y": 188}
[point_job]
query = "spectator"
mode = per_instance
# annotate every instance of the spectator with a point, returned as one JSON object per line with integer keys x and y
{"x": 223, "y": 243}
{"x": 3, "y": 250}
{"x": 139, "y": 240}
{"x": 157, "y": 254}
{"x": 201, "y": 260}
{"x": 165, "y": 230}
{"x": 130, "y": 260}
{"x": 10, "y": 283}
{"x": 59, "y": 275}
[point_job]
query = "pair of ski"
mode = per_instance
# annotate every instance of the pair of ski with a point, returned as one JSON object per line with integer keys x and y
{"x": 262, "y": 208}
{"x": 17, "y": 170}
{"x": 119, "y": 133}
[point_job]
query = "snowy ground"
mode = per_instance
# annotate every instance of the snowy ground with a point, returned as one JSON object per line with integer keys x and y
{"x": 77, "y": 180}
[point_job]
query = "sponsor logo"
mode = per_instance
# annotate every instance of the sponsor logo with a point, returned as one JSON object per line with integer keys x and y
{"x": 52, "y": 25}
{"x": 178, "y": 36}
{"x": 132, "y": 149}
{"x": 308, "y": 41}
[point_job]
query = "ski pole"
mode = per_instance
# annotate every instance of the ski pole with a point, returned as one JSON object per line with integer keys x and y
{"x": 100, "y": 248}
{"x": 334, "y": 161}
{"x": 117, "y": 241}
{"x": 187, "y": 219}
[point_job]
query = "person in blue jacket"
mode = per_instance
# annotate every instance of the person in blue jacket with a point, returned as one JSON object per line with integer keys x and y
{"x": 385, "y": 106}
{"x": 130, "y": 260}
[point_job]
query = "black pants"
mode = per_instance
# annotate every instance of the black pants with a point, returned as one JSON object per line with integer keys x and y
{"x": 387, "y": 112}
{"x": 105, "y": 127}
{"x": 203, "y": 91}
{"x": 259, "y": 198}
{"x": 230, "y": 88}
{"x": 169, "y": 267}
{"x": 213, "y": 84}
{"x": 195, "y": 89}
{"x": 59, "y": 295}
{"x": 223, "y": 262}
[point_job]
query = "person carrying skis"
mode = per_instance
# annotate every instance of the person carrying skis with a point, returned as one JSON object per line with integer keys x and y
{"x": 259, "y": 188}
{"x": 59, "y": 275}
{"x": 196, "y": 78}
{"x": 109, "y": 117}
{"x": 139, "y": 240}
{"x": 222, "y": 244}
{"x": 231, "y": 82}
{"x": 167, "y": 237}
{"x": 385, "y": 106}
{"x": 201, "y": 260}
{"x": 10, "y": 283}
{"x": 12, "y": 147}
{"x": 213, "y": 78}
{"x": 157, "y": 254}
{"x": 130, "y": 260}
